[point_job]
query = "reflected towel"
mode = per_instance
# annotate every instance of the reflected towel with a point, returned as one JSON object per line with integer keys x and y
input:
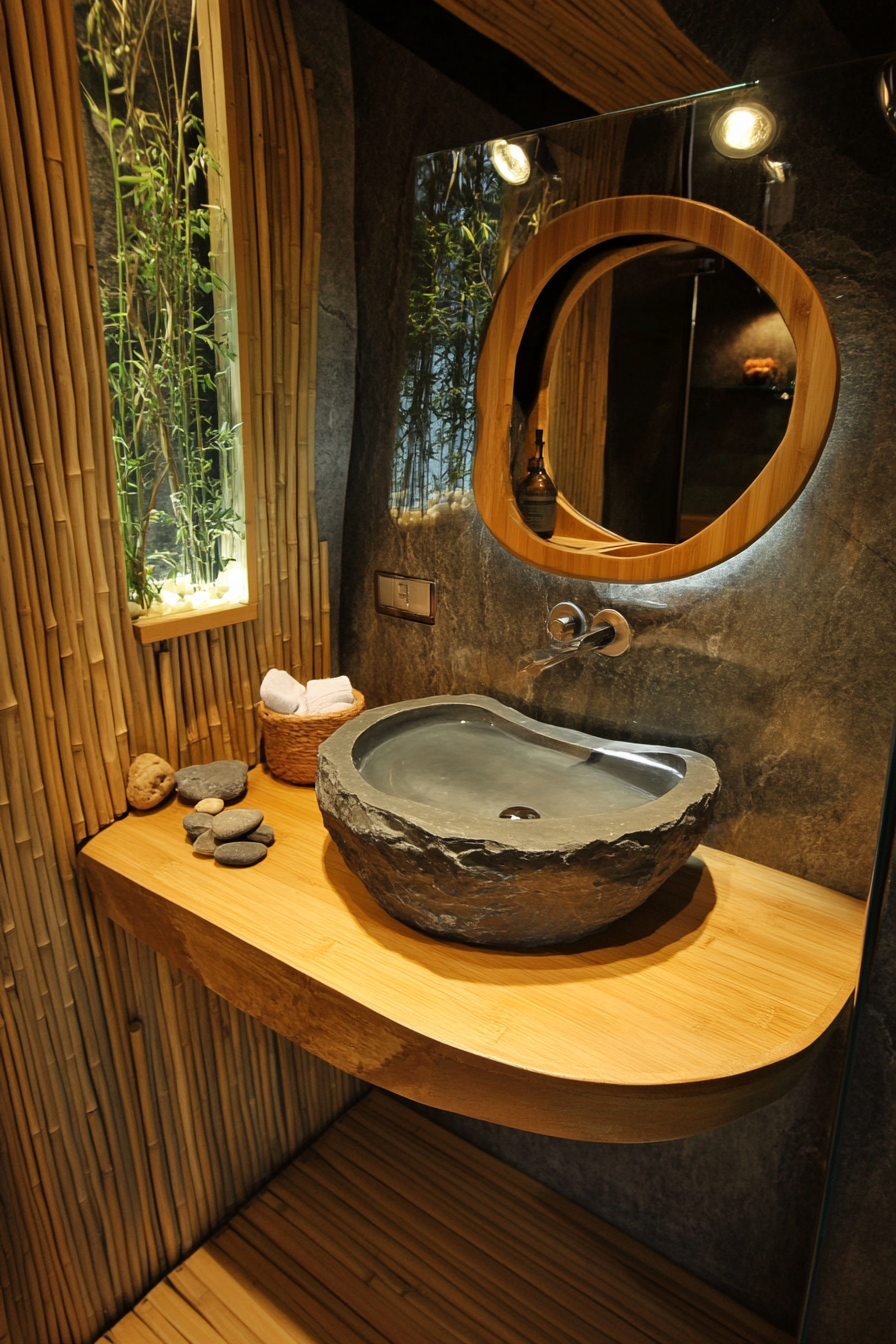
{"x": 328, "y": 694}
{"x": 283, "y": 694}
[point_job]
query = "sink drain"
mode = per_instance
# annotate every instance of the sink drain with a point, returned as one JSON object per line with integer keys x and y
{"x": 519, "y": 813}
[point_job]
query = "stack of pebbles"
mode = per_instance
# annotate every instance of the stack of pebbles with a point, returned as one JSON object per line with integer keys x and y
{"x": 235, "y": 837}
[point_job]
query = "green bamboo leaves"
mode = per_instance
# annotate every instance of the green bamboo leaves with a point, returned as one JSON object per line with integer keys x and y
{"x": 456, "y": 225}
{"x": 173, "y": 450}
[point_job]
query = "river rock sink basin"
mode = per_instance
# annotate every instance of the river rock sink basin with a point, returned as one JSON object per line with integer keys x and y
{"x": 413, "y": 794}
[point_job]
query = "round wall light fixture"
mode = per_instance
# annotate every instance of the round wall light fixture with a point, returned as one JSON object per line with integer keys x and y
{"x": 743, "y": 130}
{"x": 510, "y": 161}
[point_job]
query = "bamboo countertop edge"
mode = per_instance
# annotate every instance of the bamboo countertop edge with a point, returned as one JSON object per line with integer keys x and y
{"x": 755, "y": 980}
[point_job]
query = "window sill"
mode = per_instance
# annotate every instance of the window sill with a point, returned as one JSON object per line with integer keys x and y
{"x": 151, "y": 629}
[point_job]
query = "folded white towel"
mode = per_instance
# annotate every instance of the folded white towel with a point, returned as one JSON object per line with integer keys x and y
{"x": 283, "y": 694}
{"x": 328, "y": 694}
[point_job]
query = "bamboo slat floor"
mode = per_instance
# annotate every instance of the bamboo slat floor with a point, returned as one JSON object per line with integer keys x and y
{"x": 390, "y": 1230}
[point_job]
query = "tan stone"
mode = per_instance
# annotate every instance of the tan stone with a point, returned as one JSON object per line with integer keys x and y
{"x": 211, "y": 805}
{"x": 150, "y": 780}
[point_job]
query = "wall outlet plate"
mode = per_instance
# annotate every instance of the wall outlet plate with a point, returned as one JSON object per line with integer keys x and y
{"x": 400, "y": 595}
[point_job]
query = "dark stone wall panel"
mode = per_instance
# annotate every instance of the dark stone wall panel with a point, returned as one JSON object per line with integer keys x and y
{"x": 721, "y": 1204}
{"x": 856, "y": 1294}
{"x": 778, "y": 664}
{"x": 322, "y": 35}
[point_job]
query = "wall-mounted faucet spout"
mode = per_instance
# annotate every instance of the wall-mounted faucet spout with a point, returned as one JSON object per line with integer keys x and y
{"x": 571, "y": 632}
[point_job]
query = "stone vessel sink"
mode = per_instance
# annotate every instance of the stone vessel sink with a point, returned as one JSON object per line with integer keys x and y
{"x": 413, "y": 794}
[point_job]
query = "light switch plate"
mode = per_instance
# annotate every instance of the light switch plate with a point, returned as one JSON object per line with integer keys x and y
{"x": 400, "y": 595}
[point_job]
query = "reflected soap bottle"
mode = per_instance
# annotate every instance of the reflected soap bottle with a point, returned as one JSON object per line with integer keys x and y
{"x": 536, "y": 494}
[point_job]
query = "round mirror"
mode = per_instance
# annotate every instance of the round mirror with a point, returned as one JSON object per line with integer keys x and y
{"x": 670, "y": 388}
{"x": 683, "y": 374}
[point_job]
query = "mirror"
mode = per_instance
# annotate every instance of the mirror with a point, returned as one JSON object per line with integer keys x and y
{"x": 669, "y": 390}
{"x": 666, "y": 460}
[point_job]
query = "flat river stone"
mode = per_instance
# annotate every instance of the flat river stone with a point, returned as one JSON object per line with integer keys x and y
{"x": 211, "y": 805}
{"x": 262, "y": 835}
{"x": 240, "y": 854}
{"x": 221, "y": 779}
{"x": 205, "y": 843}
{"x": 197, "y": 822}
{"x": 237, "y": 822}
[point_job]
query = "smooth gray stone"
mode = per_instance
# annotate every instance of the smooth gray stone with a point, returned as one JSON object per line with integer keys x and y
{"x": 205, "y": 843}
{"x": 197, "y": 822}
{"x": 219, "y": 779}
{"x": 240, "y": 854}
{"x": 239, "y": 821}
{"x": 262, "y": 835}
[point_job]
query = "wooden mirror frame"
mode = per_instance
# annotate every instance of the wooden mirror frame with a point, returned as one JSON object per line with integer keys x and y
{"x": 581, "y": 548}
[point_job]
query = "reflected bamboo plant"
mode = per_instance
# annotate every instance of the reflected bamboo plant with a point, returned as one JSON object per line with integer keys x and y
{"x": 456, "y": 226}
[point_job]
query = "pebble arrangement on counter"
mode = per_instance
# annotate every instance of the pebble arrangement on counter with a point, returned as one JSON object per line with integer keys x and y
{"x": 236, "y": 837}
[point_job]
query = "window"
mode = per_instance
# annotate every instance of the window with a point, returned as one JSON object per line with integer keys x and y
{"x": 160, "y": 192}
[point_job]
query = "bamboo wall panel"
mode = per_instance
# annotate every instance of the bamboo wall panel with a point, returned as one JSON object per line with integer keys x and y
{"x": 578, "y": 404}
{"x": 136, "y": 1108}
{"x": 612, "y": 54}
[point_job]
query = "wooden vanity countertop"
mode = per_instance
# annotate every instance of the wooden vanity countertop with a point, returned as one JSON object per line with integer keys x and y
{"x": 708, "y": 1001}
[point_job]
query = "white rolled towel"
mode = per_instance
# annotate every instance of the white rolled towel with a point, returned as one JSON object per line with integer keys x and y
{"x": 283, "y": 694}
{"x": 328, "y": 694}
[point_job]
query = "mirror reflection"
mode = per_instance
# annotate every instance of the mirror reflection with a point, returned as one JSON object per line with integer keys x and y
{"x": 670, "y": 380}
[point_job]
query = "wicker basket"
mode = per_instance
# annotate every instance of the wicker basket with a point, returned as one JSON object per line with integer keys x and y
{"x": 291, "y": 740}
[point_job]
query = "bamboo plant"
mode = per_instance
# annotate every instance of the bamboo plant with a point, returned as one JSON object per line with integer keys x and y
{"x": 456, "y": 222}
{"x": 173, "y": 450}
{"x": 468, "y": 227}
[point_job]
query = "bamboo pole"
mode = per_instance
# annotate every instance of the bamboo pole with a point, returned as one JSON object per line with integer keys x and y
{"x": 325, "y": 608}
{"x": 306, "y": 326}
{"x": 262, "y": 370}
{"x": 151, "y": 680}
{"x": 197, "y": 1169}
{"x": 169, "y": 709}
{"x": 290, "y": 223}
{"x": 150, "y": 1244}
{"x": 170, "y": 1240}
{"x": 242, "y": 692}
{"x": 210, "y": 1118}
{"x": 276, "y": 174}
{"x": 224, "y": 689}
{"x": 229, "y": 1093}
{"x": 316, "y": 578}
{"x": 162, "y": 1070}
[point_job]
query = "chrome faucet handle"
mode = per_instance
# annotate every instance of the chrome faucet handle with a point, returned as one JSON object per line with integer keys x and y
{"x": 568, "y": 625}
{"x": 567, "y": 622}
{"x": 623, "y": 631}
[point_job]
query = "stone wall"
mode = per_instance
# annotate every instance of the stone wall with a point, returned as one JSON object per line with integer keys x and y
{"x": 778, "y": 663}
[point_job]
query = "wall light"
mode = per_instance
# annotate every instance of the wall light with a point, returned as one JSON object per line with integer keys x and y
{"x": 887, "y": 93}
{"x": 511, "y": 162}
{"x": 744, "y": 130}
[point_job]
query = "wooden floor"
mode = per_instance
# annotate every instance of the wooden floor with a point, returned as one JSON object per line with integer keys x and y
{"x": 391, "y": 1230}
